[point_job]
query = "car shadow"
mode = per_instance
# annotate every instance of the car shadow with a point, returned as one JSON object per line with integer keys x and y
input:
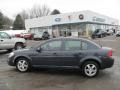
{"x": 4, "y": 52}
{"x": 56, "y": 71}
{"x": 104, "y": 74}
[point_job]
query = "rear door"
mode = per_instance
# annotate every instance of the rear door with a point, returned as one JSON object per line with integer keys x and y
{"x": 72, "y": 52}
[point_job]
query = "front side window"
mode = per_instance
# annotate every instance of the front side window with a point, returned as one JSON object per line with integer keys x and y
{"x": 52, "y": 46}
{"x": 4, "y": 35}
{"x": 72, "y": 45}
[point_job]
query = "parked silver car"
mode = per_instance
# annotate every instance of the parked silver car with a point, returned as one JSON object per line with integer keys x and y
{"x": 7, "y": 42}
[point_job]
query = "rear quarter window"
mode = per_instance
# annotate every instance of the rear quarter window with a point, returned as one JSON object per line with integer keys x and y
{"x": 89, "y": 46}
{"x": 72, "y": 45}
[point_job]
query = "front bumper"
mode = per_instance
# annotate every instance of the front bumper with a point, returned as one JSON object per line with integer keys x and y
{"x": 10, "y": 61}
{"x": 24, "y": 45}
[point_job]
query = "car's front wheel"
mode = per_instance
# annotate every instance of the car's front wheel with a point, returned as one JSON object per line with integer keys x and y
{"x": 22, "y": 65}
{"x": 90, "y": 69}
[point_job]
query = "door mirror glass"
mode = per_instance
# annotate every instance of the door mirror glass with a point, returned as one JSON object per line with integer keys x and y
{"x": 10, "y": 37}
{"x": 38, "y": 49}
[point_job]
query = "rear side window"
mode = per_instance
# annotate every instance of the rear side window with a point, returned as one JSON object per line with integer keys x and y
{"x": 88, "y": 46}
{"x": 72, "y": 45}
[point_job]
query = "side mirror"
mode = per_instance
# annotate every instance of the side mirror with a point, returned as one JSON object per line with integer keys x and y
{"x": 38, "y": 49}
{"x": 10, "y": 37}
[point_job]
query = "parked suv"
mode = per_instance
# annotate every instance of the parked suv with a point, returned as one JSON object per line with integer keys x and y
{"x": 42, "y": 35}
{"x": 77, "y": 53}
{"x": 9, "y": 43}
{"x": 99, "y": 33}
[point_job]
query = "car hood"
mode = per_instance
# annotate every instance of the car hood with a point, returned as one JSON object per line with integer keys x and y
{"x": 21, "y": 50}
{"x": 18, "y": 39}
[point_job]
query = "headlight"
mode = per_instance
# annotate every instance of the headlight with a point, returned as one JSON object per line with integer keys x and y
{"x": 11, "y": 54}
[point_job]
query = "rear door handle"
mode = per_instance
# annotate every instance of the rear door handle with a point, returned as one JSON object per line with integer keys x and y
{"x": 54, "y": 53}
{"x": 1, "y": 40}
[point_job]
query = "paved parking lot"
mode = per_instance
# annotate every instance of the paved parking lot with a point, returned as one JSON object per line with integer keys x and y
{"x": 49, "y": 79}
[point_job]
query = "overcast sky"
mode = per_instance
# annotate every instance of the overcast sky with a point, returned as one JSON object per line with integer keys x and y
{"x": 107, "y": 7}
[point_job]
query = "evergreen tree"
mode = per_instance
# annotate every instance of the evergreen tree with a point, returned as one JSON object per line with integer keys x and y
{"x": 18, "y": 23}
{"x": 54, "y": 12}
{"x": 1, "y": 20}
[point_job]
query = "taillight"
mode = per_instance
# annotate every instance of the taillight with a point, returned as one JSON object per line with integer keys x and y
{"x": 109, "y": 54}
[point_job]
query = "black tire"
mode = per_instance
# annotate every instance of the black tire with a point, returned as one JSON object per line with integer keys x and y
{"x": 101, "y": 36}
{"x": 18, "y": 46}
{"x": 21, "y": 67}
{"x": 117, "y": 35}
{"x": 85, "y": 72}
{"x": 9, "y": 50}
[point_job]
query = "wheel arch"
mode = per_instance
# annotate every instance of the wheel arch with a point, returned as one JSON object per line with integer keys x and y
{"x": 18, "y": 57}
{"x": 18, "y": 42}
{"x": 98, "y": 61}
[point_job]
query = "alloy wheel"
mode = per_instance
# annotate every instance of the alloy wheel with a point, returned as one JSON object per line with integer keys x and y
{"x": 22, "y": 65}
{"x": 90, "y": 69}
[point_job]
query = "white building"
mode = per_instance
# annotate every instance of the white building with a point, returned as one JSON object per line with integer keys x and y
{"x": 81, "y": 23}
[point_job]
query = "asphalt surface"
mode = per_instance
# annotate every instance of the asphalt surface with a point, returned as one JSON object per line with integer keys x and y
{"x": 51, "y": 79}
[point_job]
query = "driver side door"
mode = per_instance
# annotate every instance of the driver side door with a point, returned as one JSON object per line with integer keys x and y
{"x": 50, "y": 54}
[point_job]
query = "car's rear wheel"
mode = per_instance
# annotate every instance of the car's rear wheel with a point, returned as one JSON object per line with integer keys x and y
{"x": 117, "y": 35}
{"x": 101, "y": 36}
{"x": 18, "y": 46}
{"x": 22, "y": 65}
{"x": 90, "y": 69}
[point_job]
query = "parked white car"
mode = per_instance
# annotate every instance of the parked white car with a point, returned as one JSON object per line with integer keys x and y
{"x": 42, "y": 35}
{"x": 38, "y": 36}
{"x": 117, "y": 33}
{"x": 110, "y": 32}
{"x": 8, "y": 43}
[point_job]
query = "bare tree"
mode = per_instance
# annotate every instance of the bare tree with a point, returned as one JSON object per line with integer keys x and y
{"x": 24, "y": 14}
{"x": 7, "y": 21}
{"x": 38, "y": 11}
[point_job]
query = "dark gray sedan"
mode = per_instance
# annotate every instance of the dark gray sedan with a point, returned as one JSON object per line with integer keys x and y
{"x": 81, "y": 54}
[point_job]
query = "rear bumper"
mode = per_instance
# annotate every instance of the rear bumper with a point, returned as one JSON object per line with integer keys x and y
{"x": 107, "y": 63}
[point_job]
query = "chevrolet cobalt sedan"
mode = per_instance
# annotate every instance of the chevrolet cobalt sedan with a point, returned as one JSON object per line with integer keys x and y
{"x": 70, "y": 53}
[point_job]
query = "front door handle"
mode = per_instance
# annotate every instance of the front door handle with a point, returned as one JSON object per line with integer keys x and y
{"x": 77, "y": 54}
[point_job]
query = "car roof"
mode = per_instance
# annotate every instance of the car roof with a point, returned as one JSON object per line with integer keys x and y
{"x": 70, "y": 38}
